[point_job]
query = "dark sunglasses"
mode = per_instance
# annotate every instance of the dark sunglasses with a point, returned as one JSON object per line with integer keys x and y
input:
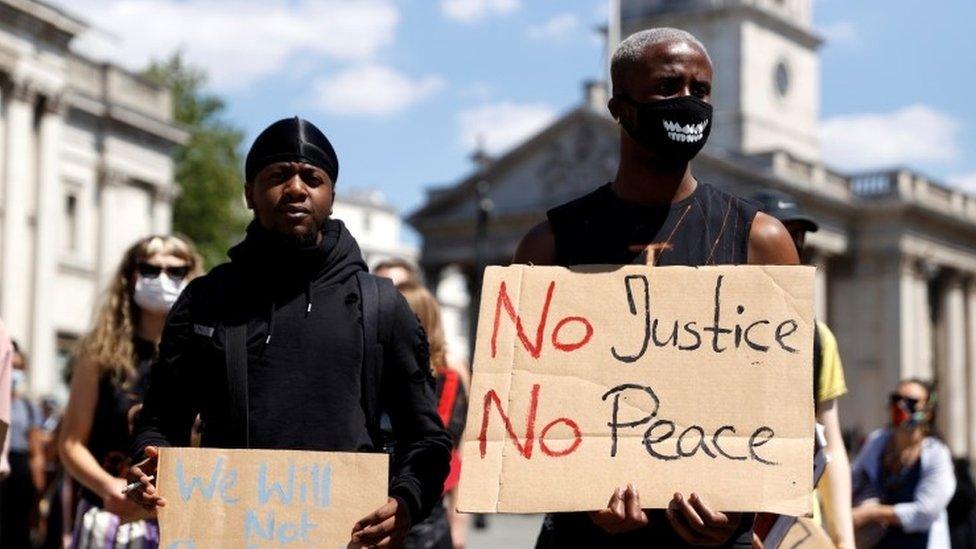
{"x": 148, "y": 270}
{"x": 910, "y": 403}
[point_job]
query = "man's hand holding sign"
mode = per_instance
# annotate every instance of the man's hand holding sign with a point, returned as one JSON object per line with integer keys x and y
{"x": 663, "y": 380}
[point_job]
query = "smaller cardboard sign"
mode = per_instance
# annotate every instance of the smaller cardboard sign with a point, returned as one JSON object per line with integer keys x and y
{"x": 806, "y": 534}
{"x": 266, "y": 498}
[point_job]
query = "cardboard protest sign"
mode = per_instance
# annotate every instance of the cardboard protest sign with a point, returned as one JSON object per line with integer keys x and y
{"x": 266, "y": 498}
{"x": 805, "y": 534}
{"x": 671, "y": 378}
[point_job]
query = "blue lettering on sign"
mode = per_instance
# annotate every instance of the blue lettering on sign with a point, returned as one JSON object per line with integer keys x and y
{"x": 285, "y": 496}
{"x": 218, "y": 477}
{"x": 270, "y": 530}
{"x": 182, "y": 544}
{"x": 326, "y": 491}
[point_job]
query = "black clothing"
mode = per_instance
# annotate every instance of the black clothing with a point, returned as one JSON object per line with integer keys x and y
{"x": 709, "y": 227}
{"x": 110, "y": 437}
{"x": 900, "y": 488}
{"x": 962, "y": 508}
{"x": 17, "y": 499}
{"x": 305, "y": 357}
{"x": 291, "y": 140}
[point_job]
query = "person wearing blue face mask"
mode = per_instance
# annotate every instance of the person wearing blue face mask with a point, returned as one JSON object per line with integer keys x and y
{"x": 656, "y": 212}
{"x": 108, "y": 379}
{"x": 20, "y": 490}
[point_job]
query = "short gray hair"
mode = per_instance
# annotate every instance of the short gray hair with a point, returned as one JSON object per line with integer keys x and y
{"x": 630, "y": 52}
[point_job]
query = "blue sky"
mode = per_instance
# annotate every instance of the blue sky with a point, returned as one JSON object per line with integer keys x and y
{"x": 403, "y": 87}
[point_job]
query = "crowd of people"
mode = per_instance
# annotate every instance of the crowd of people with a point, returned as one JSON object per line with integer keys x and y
{"x": 294, "y": 344}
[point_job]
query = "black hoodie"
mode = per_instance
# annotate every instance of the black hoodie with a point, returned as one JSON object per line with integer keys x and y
{"x": 304, "y": 366}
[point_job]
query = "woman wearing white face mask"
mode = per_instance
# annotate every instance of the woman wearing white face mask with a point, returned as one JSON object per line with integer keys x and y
{"x": 109, "y": 376}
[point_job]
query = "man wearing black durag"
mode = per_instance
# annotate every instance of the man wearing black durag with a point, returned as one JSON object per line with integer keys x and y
{"x": 293, "y": 345}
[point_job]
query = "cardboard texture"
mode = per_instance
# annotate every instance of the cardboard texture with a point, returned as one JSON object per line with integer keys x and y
{"x": 266, "y": 498}
{"x": 671, "y": 378}
{"x": 806, "y": 534}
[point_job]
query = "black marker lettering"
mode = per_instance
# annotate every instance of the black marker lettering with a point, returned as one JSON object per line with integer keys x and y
{"x": 633, "y": 310}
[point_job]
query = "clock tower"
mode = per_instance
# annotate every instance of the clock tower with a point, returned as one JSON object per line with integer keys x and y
{"x": 766, "y": 87}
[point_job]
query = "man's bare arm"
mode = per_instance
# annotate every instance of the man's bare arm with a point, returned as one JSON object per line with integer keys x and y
{"x": 537, "y": 247}
{"x": 770, "y": 243}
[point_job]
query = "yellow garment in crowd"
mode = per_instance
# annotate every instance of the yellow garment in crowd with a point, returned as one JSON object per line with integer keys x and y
{"x": 830, "y": 385}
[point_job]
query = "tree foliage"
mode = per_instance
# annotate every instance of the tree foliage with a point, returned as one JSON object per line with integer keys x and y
{"x": 210, "y": 208}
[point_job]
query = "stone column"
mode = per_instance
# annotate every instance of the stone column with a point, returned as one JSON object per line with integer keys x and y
{"x": 15, "y": 262}
{"x": 162, "y": 209}
{"x": 48, "y": 246}
{"x": 923, "y": 366}
{"x": 820, "y": 297}
{"x": 451, "y": 290}
{"x": 952, "y": 365}
{"x": 907, "y": 316}
{"x": 971, "y": 363}
{"x": 109, "y": 181}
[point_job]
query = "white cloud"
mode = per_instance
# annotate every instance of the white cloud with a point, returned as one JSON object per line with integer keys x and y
{"x": 499, "y": 126}
{"x": 237, "y": 41}
{"x": 468, "y": 11}
{"x": 964, "y": 181}
{"x": 559, "y": 27}
{"x": 842, "y": 32}
{"x": 914, "y": 134}
{"x": 372, "y": 90}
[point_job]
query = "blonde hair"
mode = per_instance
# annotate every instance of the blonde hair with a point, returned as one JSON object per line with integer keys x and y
{"x": 424, "y": 304}
{"x": 109, "y": 343}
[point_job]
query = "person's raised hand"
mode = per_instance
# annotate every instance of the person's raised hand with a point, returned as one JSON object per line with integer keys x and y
{"x": 115, "y": 502}
{"x": 145, "y": 495}
{"x": 623, "y": 512}
{"x": 697, "y": 524}
{"x": 385, "y": 527}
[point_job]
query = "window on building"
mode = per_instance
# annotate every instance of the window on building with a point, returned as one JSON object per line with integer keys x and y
{"x": 367, "y": 222}
{"x": 66, "y": 343}
{"x": 70, "y": 221}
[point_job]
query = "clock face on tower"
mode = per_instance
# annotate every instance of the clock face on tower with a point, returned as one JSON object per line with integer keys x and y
{"x": 781, "y": 78}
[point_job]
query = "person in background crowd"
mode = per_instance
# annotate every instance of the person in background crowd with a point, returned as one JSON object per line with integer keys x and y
{"x": 52, "y": 526}
{"x": 22, "y": 488}
{"x": 108, "y": 379}
{"x": 310, "y": 348}
{"x": 962, "y": 508}
{"x": 398, "y": 270}
{"x": 6, "y": 359}
{"x": 828, "y": 384}
{"x": 903, "y": 478}
{"x": 656, "y": 212}
{"x": 452, "y": 406}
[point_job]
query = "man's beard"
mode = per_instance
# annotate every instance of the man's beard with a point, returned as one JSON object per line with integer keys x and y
{"x": 301, "y": 241}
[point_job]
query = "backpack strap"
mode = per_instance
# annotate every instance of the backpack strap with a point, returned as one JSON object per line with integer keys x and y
{"x": 372, "y": 368}
{"x": 235, "y": 356}
{"x": 378, "y": 307}
{"x": 235, "y": 350}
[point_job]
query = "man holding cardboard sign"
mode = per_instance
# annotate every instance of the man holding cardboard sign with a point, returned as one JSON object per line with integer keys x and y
{"x": 655, "y": 212}
{"x": 294, "y": 346}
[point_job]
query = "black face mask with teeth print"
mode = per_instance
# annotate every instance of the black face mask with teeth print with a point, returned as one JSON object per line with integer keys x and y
{"x": 675, "y": 129}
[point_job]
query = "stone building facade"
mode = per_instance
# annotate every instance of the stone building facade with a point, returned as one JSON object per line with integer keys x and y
{"x": 896, "y": 253}
{"x": 85, "y": 170}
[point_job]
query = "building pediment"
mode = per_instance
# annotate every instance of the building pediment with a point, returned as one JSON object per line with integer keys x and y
{"x": 571, "y": 156}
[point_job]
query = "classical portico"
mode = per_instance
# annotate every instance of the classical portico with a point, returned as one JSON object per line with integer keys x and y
{"x": 85, "y": 169}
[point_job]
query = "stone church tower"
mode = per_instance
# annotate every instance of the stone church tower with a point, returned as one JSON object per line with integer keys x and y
{"x": 766, "y": 87}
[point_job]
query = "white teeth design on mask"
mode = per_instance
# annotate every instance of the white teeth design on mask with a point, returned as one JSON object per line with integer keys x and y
{"x": 689, "y": 133}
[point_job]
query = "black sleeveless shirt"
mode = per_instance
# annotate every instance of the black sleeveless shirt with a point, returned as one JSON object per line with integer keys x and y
{"x": 709, "y": 227}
